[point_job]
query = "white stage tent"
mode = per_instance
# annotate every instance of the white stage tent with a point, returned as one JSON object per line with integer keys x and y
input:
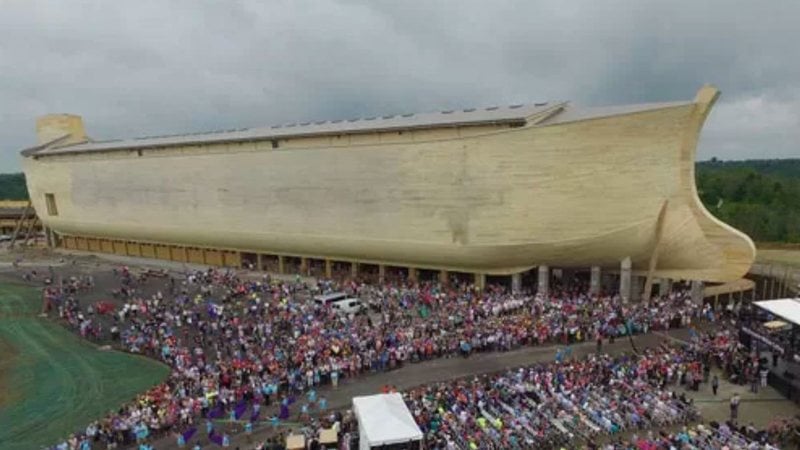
{"x": 787, "y": 309}
{"x": 384, "y": 419}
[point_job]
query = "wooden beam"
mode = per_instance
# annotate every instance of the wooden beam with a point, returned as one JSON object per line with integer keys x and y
{"x": 648, "y": 284}
{"x": 29, "y": 230}
{"x": 19, "y": 225}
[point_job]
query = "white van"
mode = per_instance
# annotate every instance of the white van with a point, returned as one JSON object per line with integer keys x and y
{"x": 327, "y": 299}
{"x": 348, "y": 306}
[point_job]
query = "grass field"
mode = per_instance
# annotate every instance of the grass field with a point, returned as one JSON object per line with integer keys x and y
{"x": 55, "y": 383}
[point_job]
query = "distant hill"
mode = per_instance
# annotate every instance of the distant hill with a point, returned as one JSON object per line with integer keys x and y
{"x": 759, "y": 197}
{"x": 12, "y": 186}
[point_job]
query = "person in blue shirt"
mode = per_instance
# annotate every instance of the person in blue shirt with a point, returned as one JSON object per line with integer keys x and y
{"x": 323, "y": 403}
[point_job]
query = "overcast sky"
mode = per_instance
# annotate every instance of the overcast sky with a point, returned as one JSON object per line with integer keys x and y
{"x": 142, "y": 67}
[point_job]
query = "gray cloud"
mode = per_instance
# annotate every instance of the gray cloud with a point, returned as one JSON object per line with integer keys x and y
{"x": 151, "y": 67}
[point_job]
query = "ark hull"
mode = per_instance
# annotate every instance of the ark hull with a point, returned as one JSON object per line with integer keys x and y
{"x": 498, "y": 200}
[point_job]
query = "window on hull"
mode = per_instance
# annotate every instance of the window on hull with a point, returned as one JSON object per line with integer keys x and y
{"x": 50, "y": 201}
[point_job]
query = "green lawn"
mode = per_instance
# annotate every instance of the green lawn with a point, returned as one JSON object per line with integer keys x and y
{"x": 57, "y": 383}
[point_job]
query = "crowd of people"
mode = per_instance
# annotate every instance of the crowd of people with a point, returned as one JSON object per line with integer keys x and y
{"x": 552, "y": 405}
{"x": 236, "y": 345}
{"x": 579, "y": 403}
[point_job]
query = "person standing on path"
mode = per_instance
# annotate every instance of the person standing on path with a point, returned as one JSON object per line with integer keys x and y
{"x": 715, "y": 384}
{"x": 735, "y": 407}
{"x": 599, "y": 342}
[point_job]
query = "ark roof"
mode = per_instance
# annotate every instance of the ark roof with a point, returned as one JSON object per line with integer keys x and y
{"x": 512, "y": 115}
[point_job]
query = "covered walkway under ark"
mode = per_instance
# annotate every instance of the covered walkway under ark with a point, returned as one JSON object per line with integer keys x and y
{"x": 631, "y": 283}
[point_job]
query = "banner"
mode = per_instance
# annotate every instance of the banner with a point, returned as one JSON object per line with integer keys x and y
{"x": 775, "y": 346}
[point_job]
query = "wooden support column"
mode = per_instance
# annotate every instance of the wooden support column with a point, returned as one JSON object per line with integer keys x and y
{"x": 771, "y": 284}
{"x": 786, "y": 291}
{"x": 480, "y": 280}
{"x": 648, "y": 284}
{"x": 304, "y": 266}
{"x": 625, "y": 280}
{"x": 48, "y": 235}
{"x": 516, "y": 283}
{"x": 281, "y": 265}
{"x": 259, "y": 262}
{"x": 328, "y": 269}
{"x": 354, "y": 270}
{"x": 594, "y": 280}
{"x": 381, "y": 273}
{"x": 444, "y": 277}
{"x": 413, "y": 274}
{"x": 697, "y": 292}
{"x": 543, "y": 281}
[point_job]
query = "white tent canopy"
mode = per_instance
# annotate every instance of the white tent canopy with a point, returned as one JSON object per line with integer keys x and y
{"x": 787, "y": 308}
{"x": 384, "y": 419}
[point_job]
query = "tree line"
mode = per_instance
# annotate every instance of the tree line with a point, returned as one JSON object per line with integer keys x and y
{"x": 758, "y": 197}
{"x": 12, "y": 186}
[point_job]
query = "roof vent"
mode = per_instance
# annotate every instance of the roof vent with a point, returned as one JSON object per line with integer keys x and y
{"x": 492, "y": 108}
{"x": 518, "y": 105}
